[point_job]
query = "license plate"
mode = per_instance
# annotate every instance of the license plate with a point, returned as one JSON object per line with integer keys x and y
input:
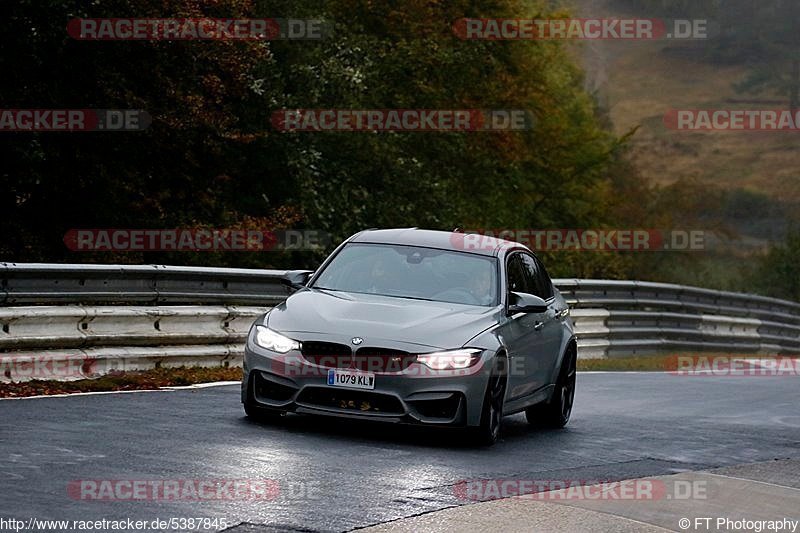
{"x": 351, "y": 380}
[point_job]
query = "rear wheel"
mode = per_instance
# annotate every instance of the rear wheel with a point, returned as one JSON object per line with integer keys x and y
{"x": 556, "y": 413}
{"x": 492, "y": 412}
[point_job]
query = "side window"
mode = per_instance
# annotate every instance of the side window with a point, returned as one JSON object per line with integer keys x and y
{"x": 544, "y": 277}
{"x": 515, "y": 274}
{"x": 541, "y": 285}
{"x": 519, "y": 278}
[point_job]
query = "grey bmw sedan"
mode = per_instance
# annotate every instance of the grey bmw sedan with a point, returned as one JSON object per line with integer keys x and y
{"x": 417, "y": 326}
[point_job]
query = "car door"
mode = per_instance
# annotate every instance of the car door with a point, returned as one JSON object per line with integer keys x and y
{"x": 545, "y": 352}
{"x": 522, "y": 334}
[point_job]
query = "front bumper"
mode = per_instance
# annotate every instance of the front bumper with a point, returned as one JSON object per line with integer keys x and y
{"x": 416, "y": 395}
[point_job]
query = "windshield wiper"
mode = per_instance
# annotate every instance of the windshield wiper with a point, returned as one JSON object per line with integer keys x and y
{"x": 400, "y": 296}
{"x": 378, "y": 294}
{"x": 326, "y": 289}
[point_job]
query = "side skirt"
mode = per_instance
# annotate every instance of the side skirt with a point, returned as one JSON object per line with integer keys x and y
{"x": 520, "y": 404}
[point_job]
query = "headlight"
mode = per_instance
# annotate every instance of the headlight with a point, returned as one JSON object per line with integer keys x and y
{"x": 450, "y": 359}
{"x": 272, "y": 340}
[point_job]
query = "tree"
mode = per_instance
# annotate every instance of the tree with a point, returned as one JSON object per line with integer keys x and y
{"x": 778, "y": 272}
{"x": 211, "y": 159}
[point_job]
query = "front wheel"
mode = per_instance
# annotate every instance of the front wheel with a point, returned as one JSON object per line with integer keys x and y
{"x": 556, "y": 412}
{"x": 492, "y": 411}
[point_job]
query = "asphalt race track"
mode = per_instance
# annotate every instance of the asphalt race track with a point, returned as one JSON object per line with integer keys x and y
{"x": 338, "y": 476}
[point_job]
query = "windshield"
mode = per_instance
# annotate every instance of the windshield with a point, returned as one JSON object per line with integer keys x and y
{"x": 412, "y": 272}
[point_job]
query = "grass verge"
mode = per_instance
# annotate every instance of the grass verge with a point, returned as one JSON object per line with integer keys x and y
{"x": 174, "y": 377}
{"x": 655, "y": 362}
{"x": 144, "y": 380}
{"x": 649, "y": 363}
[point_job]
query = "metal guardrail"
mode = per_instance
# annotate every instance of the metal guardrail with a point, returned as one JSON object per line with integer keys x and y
{"x": 42, "y": 283}
{"x": 119, "y": 317}
{"x": 621, "y": 318}
{"x": 76, "y": 341}
{"x": 74, "y": 321}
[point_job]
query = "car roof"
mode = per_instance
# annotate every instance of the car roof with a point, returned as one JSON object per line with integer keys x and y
{"x": 441, "y": 240}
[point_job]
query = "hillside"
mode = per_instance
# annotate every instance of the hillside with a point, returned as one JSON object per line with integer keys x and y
{"x": 638, "y": 81}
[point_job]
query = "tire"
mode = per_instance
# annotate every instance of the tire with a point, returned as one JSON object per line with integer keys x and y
{"x": 556, "y": 412}
{"x": 488, "y": 432}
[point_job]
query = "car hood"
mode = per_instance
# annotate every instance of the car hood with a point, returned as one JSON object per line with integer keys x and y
{"x": 431, "y": 324}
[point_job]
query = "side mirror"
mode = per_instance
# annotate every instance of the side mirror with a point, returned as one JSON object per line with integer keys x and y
{"x": 521, "y": 302}
{"x": 296, "y": 279}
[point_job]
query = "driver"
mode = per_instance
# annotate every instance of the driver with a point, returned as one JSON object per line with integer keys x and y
{"x": 481, "y": 287}
{"x": 378, "y": 276}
